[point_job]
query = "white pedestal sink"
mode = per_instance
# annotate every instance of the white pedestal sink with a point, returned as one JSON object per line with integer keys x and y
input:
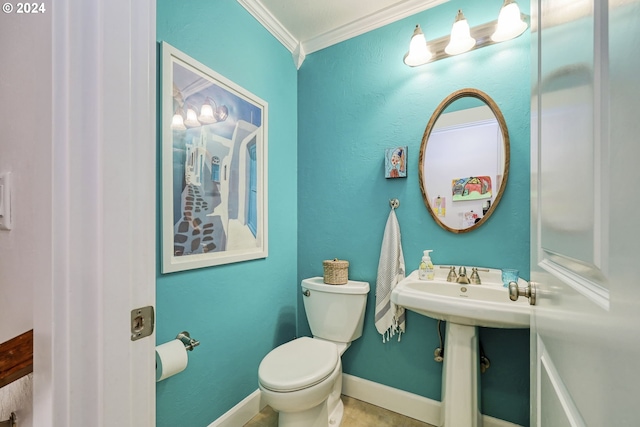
{"x": 464, "y": 307}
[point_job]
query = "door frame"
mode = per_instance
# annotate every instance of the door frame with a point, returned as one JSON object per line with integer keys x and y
{"x": 87, "y": 371}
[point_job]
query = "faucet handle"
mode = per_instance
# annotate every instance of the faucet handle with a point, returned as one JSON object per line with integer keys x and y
{"x": 475, "y": 277}
{"x": 452, "y": 276}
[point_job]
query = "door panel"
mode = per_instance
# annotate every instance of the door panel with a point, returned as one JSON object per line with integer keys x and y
{"x": 556, "y": 402}
{"x": 569, "y": 178}
{"x": 584, "y": 242}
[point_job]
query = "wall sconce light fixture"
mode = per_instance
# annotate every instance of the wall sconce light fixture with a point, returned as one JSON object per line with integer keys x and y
{"x": 460, "y": 40}
{"x": 509, "y": 25}
{"x": 419, "y": 52}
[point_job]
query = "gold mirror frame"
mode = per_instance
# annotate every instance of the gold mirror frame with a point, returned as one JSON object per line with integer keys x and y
{"x": 464, "y": 93}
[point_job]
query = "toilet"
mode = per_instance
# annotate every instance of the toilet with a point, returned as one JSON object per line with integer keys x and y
{"x": 302, "y": 379}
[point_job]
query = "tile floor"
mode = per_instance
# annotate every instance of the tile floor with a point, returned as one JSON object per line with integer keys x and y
{"x": 356, "y": 414}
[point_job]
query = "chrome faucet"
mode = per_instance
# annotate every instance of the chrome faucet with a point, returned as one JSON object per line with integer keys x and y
{"x": 462, "y": 276}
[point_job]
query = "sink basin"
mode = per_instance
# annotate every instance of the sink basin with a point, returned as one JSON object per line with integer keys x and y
{"x": 485, "y": 305}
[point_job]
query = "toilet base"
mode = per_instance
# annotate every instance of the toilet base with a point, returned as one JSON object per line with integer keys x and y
{"x": 313, "y": 413}
{"x": 334, "y": 402}
{"x": 335, "y": 417}
{"x": 315, "y": 417}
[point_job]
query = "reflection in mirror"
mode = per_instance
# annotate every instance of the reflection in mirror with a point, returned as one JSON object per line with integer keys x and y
{"x": 464, "y": 160}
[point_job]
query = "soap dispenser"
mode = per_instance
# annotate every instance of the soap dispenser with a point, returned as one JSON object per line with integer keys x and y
{"x": 426, "y": 270}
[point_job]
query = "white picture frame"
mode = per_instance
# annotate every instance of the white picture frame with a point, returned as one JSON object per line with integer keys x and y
{"x": 214, "y": 167}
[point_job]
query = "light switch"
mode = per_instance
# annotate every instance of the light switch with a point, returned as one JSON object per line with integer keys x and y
{"x": 5, "y": 201}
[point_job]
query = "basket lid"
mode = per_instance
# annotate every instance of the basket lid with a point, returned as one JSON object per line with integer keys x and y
{"x": 335, "y": 262}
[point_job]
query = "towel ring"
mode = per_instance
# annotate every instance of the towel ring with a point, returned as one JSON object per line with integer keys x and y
{"x": 395, "y": 203}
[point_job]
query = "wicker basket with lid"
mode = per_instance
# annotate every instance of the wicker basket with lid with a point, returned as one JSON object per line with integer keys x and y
{"x": 336, "y": 272}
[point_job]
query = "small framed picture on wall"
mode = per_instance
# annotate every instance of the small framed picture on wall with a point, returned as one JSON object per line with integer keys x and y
{"x": 395, "y": 162}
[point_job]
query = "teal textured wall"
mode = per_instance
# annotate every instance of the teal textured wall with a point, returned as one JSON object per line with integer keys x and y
{"x": 239, "y": 312}
{"x": 329, "y": 124}
{"x": 354, "y": 100}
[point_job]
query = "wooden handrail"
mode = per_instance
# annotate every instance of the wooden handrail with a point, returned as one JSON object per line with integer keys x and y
{"x": 16, "y": 358}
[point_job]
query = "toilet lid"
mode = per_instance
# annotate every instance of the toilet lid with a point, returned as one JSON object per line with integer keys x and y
{"x": 298, "y": 364}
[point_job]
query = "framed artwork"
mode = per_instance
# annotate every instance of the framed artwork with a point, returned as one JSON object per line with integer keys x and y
{"x": 214, "y": 167}
{"x": 471, "y": 188}
{"x": 395, "y": 162}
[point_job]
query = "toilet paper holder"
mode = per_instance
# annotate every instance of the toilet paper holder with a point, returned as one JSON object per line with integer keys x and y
{"x": 189, "y": 343}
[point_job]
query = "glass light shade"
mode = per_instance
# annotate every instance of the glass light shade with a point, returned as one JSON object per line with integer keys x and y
{"x": 460, "y": 40}
{"x": 419, "y": 52}
{"x": 510, "y": 23}
{"x": 192, "y": 118}
{"x": 222, "y": 112}
{"x": 177, "y": 123}
{"x": 206, "y": 113}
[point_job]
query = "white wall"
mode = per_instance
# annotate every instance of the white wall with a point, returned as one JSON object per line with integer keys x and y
{"x": 25, "y": 150}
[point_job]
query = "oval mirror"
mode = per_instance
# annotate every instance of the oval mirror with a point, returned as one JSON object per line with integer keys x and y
{"x": 464, "y": 160}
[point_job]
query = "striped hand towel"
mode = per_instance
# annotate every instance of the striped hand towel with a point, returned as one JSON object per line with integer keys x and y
{"x": 390, "y": 318}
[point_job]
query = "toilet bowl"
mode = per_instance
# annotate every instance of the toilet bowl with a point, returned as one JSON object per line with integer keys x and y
{"x": 296, "y": 380}
{"x": 302, "y": 379}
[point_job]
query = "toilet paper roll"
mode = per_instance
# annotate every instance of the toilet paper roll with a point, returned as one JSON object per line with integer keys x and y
{"x": 171, "y": 358}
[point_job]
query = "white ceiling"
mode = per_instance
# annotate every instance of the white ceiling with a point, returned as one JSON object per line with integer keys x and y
{"x": 306, "y": 26}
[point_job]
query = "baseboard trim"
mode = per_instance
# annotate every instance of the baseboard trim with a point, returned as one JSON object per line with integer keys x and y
{"x": 393, "y": 399}
{"x": 403, "y": 402}
{"x": 242, "y": 413}
{"x": 488, "y": 421}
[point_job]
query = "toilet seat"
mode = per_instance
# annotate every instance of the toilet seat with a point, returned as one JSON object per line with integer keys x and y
{"x": 298, "y": 364}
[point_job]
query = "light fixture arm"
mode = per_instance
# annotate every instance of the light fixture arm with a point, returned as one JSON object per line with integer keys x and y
{"x": 482, "y": 33}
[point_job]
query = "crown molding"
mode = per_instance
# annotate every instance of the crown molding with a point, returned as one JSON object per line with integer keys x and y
{"x": 299, "y": 55}
{"x": 368, "y": 23}
{"x": 266, "y": 18}
{"x": 300, "y": 49}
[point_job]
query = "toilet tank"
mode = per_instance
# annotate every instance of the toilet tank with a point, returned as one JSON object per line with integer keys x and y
{"x": 335, "y": 312}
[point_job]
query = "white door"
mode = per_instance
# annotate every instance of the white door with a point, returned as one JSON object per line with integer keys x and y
{"x": 87, "y": 371}
{"x": 585, "y": 230}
